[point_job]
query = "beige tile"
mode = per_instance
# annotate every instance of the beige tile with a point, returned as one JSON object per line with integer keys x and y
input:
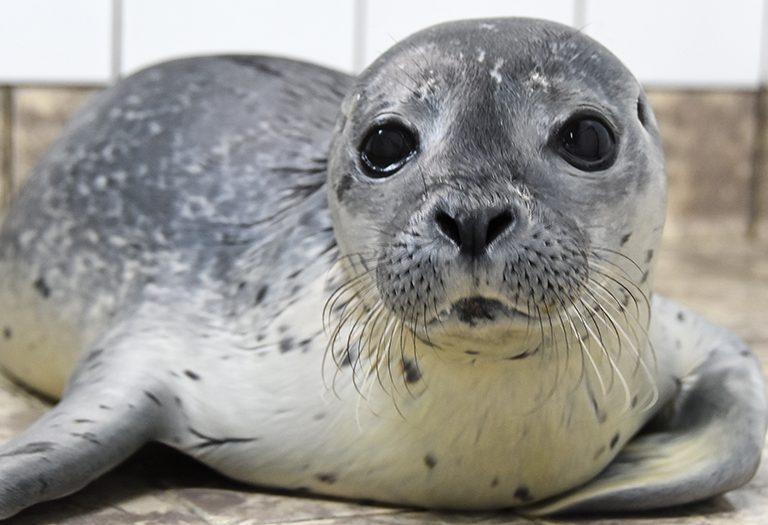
{"x": 40, "y": 115}
{"x": 708, "y": 142}
{"x": 725, "y": 279}
{"x": 417, "y": 518}
{"x": 18, "y": 408}
{"x": 230, "y": 507}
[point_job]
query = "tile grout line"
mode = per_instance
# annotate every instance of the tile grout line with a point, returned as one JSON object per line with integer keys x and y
{"x": 6, "y": 148}
{"x": 359, "y": 18}
{"x": 579, "y": 14}
{"x": 756, "y": 209}
{"x": 116, "y": 41}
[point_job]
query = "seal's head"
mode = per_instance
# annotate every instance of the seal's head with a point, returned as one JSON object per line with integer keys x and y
{"x": 488, "y": 176}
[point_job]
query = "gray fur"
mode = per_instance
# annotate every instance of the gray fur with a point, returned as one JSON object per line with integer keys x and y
{"x": 181, "y": 249}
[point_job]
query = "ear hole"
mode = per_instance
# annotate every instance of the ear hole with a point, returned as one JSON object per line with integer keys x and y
{"x": 642, "y": 112}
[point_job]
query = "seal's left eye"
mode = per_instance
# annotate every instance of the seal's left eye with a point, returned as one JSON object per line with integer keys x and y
{"x": 587, "y": 143}
{"x": 386, "y": 148}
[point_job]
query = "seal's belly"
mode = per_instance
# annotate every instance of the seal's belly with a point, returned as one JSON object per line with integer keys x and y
{"x": 453, "y": 444}
{"x": 40, "y": 341}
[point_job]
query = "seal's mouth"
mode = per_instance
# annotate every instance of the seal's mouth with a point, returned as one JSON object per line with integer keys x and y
{"x": 473, "y": 311}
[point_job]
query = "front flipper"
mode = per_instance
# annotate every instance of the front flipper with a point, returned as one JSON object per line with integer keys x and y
{"x": 108, "y": 412}
{"x": 706, "y": 442}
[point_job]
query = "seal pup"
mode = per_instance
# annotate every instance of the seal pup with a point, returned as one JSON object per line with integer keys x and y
{"x": 438, "y": 295}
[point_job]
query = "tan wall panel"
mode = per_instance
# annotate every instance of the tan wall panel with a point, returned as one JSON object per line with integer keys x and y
{"x": 709, "y": 147}
{"x": 40, "y": 115}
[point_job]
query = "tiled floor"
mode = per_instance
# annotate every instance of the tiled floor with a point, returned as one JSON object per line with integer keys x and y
{"x": 726, "y": 282}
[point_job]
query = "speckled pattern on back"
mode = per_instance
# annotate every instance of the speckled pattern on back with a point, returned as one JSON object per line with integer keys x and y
{"x": 228, "y": 152}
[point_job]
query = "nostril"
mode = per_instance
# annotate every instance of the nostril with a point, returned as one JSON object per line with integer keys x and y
{"x": 448, "y": 226}
{"x": 497, "y": 226}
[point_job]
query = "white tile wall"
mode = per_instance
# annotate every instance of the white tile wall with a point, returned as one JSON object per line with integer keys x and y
{"x": 388, "y": 21}
{"x": 318, "y": 31}
{"x": 687, "y": 43}
{"x": 55, "y": 41}
{"x": 682, "y": 42}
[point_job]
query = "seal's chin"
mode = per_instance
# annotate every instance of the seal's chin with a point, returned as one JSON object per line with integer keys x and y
{"x": 480, "y": 311}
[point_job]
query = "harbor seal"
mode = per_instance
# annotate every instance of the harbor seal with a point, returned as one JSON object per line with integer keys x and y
{"x": 430, "y": 285}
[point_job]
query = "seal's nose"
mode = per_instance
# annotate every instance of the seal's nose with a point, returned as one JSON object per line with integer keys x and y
{"x": 472, "y": 232}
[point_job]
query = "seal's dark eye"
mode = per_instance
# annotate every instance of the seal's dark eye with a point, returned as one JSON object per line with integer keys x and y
{"x": 386, "y": 148}
{"x": 587, "y": 143}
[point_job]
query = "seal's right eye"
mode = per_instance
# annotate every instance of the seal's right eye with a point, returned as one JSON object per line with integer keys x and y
{"x": 588, "y": 143}
{"x": 386, "y": 148}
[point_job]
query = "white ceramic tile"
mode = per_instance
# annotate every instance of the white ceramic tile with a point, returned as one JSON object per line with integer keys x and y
{"x": 312, "y": 30}
{"x": 697, "y": 43}
{"x": 388, "y": 21}
{"x": 55, "y": 41}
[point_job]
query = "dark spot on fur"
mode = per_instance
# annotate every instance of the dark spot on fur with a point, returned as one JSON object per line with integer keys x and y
{"x": 614, "y": 440}
{"x": 523, "y": 355}
{"x": 344, "y": 185}
{"x": 745, "y": 353}
{"x": 80, "y": 421}
{"x": 286, "y": 345}
{"x": 330, "y": 479}
{"x": 207, "y": 442}
{"x": 261, "y": 294}
{"x": 648, "y": 256}
{"x": 411, "y": 371}
{"x": 680, "y": 316}
{"x": 90, "y": 437}
{"x": 304, "y": 344}
{"x": 254, "y": 63}
{"x": 634, "y": 401}
{"x": 105, "y": 407}
{"x": 153, "y": 397}
{"x": 625, "y": 238}
{"x": 36, "y": 447}
{"x": 645, "y": 276}
{"x": 7, "y": 333}
{"x": 599, "y": 413}
{"x": 93, "y": 355}
{"x": 471, "y": 352}
{"x": 294, "y": 274}
{"x": 495, "y": 482}
{"x": 523, "y": 493}
{"x": 624, "y": 299}
{"x": 430, "y": 461}
{"x": 42, "y": 287}
{"x": 43, "y": 484}
{"x": 190, "y": 374}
